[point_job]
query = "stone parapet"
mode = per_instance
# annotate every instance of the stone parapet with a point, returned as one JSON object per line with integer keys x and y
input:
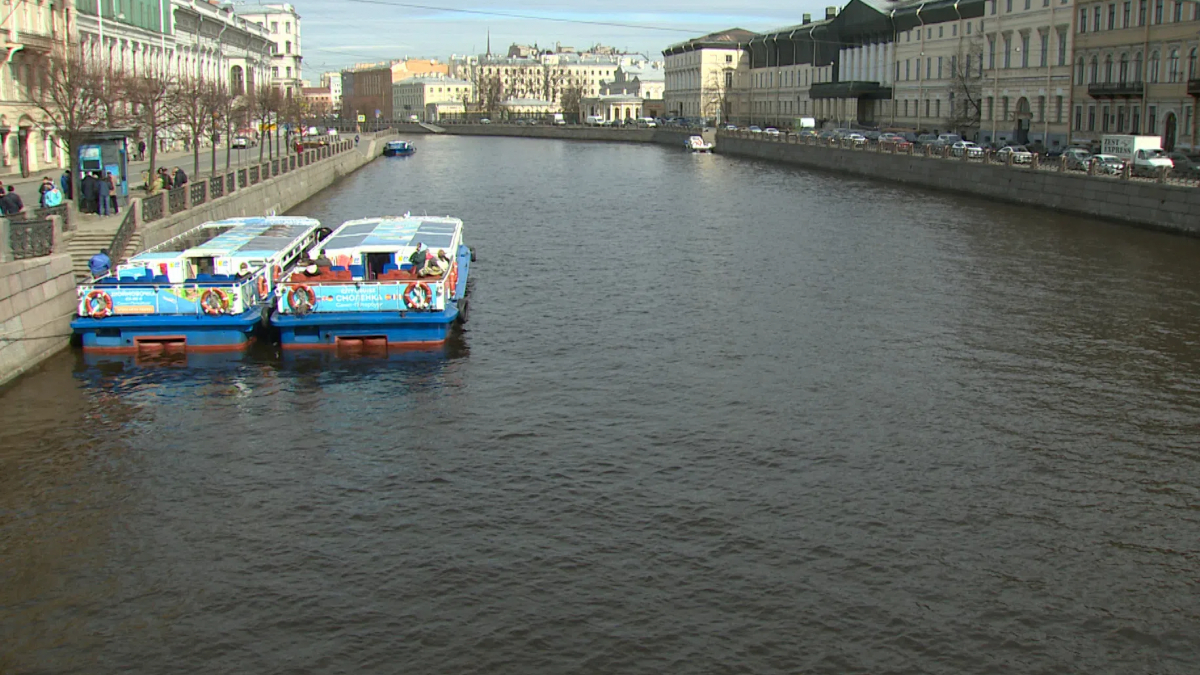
{"x": 37, "y": 301}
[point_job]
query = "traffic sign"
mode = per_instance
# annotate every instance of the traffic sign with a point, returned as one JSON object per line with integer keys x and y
{"x": 362, "y": 118}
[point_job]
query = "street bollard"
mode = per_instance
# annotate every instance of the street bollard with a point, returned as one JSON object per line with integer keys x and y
{"x": 1091, "y": 167}
{"x": 987, "y": 155}
{"x": 965, "y": 154}
{"x": 926, "y": 150}
{"x": 945, "y": 152}
{"x": 1062, "y": 164}
{"x": 1127, "y": 172}
{"x": 1008, "y": 159}
{"x": 1033, "y": 162}
{"x": 1162, "y": 174}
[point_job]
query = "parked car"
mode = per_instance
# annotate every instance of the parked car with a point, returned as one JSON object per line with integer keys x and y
{"x": 926, "y": 139}
{"x": 1020, "y": 154}
{"x": 888, "y": 140}
{"x": 808, "y": 133}
{"x": 242, "y": 142}
{"x": 947, "y": 140}
{"x": 1185, "y": 165}
{"x": 755, "y": 130}
{"x": 856, "y": 139}
{"x": 1077, "y": 158}
{"x": 771, "y": 131}
{"x": 1108, "y": 164}
{"x": 967, "y": 148}
{"x": 485, "y": 121}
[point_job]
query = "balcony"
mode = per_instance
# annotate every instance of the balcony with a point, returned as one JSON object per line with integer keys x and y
{"x": 1193, "y": 87}
{"x": 42, "y": 43}
{"x": 869, "y": 90}
{"x": 1116, "y": 90}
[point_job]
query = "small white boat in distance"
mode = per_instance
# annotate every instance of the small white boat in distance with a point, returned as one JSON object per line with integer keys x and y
{"x": 697, "y": 144}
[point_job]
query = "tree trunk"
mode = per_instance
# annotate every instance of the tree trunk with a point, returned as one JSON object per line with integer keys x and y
{"x": 228, "y": 142}
{"x": 196, "y": 154}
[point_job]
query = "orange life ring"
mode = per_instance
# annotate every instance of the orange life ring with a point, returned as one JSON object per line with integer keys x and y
{"x": 276, "y": 273}
{"x": 219, "y": 307}
{"x": 424, "y": 296}
{"x": 453, "y": 281}
{"x": 262, "y": 286}
{"x": 298, "y": 292}
{"x": 105, "y": 307}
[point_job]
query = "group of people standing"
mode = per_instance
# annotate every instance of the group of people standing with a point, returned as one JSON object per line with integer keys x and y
{"x": 99, "y": 192}
{"x": 166, "y": 181}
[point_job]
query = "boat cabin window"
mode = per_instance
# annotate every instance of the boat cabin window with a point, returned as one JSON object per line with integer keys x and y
{"x": 376, "y": 261}
{"x": 198, "y": 266}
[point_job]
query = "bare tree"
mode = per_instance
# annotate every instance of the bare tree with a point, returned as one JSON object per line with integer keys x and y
{"x": 715, "y": 95}
{"x": 191, "y": 108}
{"x": 966, "y": 88}
{"x": 491, "y": 92}
{"x": 571, "y": 100}
{"x": 149, "y": 98}
{"x": 265, "y": 105}
{"x": 66, "y": 95}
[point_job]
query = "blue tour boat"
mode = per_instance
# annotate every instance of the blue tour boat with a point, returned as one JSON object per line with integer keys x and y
{"x": 207, "y": 289}
{"x": 398, "y": 149}
{"x": 370, "y": 296}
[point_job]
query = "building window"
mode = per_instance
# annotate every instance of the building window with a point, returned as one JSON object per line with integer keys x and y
{"x": 968, "y": 28}
{"x": 1187, "y": 120}
{"x": 287, "y": 27}
{"x": 940, "y": 29}
{"x": 1137, "y": 67}
{"x": 289, "y": 46}
{"x": 927, "y": 107}
{"x": 1124, "y": 72}
{"x": 1008, "y": 6}
{"x": 1125, "y": 14}
{"x": 289, "y": 71}
{"x": 274, "y": 26}
{"x": 1004, "y": 107}
{"x": 1083, "y": 19}
{"x": 1078, "y": 118}
{"x": 1091, "y": 118}
{"x": 1152, "y": 71}
{"x": 991, "y": 108}
{"x": 1173, "y": 73}
{"x": 991, "y": 51}
{"x": 1158, "y": 11}
{"x": 928, "y": 67}
{"x": 1026, "y": 4}
{"x": 939, "y": 67}
{"x": 1045, "y": 57}
{"x": 1104, "y": 119}
{"x": 1108, "y": 69}
{"x": 1008, "y": 51}
{"x": 1058, "y": 109}
{"x": 1135, "y": 120}
{"x": 1178, "y": 11}
{"x": 1096, "y": 20}
{"x": 1152, "y": 120}
{"x": 1112, "y": 16}
{"x": 275, "y": 71}
{"x": 907, "y": 70}
{"x": 1192, "y": 63}
{"x": 1120, "y": 119}
{"x": 1024, "y": 50}
{"x": 993, "y": 4}
{"x": 1094, "y": 71}
{"x": 1141, "y": 12}
{"x": 1079, "y": 71}
{"x": 1041, "y": 108}
{"x": 954, "y": 30}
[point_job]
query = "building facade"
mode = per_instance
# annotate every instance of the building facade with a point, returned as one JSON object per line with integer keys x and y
{"x": 1135, "y": 70}
{"x": 430, "y": 97}
{"x": 333, "y": 82}
{"x": 282, "y": 24}
{"x": 706, "y": 77}
{"x": 32, "y": 32}
{"x": 214, "y": 44}
{"x": 367, "y": 92}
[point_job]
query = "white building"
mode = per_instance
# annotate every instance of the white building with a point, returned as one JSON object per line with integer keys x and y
{"x": 704, "y": 77}
{"x": 282, "y": 23}
{"x": 430, "y": 97}
{"x": 213, "y": 43}
{"x": 333, "y": 82}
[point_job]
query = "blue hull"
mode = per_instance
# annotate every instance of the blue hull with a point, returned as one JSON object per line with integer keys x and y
{"x": 399, "y": 153}
{"x": 334, "y": 329}
{"x": 131, "y": 334}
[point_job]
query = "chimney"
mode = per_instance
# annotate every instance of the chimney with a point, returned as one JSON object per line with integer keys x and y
{"x": 830, "y": 13}
{"x": 807, "y": 20}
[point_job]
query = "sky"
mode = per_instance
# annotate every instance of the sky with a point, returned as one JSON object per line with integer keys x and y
{"x": 339, "y": 33}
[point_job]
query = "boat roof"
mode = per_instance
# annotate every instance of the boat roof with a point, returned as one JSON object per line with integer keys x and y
{"x": 246, "y": 237}
{"x": 394, "y": 233}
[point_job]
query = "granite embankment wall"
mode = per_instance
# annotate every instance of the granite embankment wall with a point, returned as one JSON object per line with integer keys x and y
{"x": 570, "y": 133}
{"x": 37, "y": 300}
{"x": 276, "y": 194}
{"x": 1171, "y": 208}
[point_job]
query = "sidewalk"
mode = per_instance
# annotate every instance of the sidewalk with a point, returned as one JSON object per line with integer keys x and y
{"x": 28, "y": 187}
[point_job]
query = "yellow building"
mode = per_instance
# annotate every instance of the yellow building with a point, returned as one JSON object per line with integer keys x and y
{"x": 706, "y": 77}
{"x": 426, "y": 97}
{"x": 32, "y": 29}
{"x": 1135, "y": 70}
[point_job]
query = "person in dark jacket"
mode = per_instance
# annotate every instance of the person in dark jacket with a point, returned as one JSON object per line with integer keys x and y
{"x": 102, "y": 195}
{"x": 180, "y": 177}
{"x": 141, "y": 150}
{"x": 65, "y": 183}
{"x": 88, "y": 190}
{"x": 10, "y": 203}
{"x": 112, "y": 192}
{"x": 46, "y": 186}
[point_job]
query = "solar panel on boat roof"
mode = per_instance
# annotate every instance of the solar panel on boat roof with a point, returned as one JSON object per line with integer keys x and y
{"x": 433, "y": 239}
{"x": 362, "y": 228}
{"x": 342, "y": 241}
{"x": 436, "y": 227}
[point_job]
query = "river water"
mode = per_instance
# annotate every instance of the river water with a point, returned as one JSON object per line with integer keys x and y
{"x": 708, "y": 416}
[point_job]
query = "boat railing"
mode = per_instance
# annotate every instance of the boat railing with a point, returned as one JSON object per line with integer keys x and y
{"x": 141, "y": 296}
{"x": 365, "y": 295}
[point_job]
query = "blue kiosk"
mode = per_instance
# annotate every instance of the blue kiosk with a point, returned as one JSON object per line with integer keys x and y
{"x": 105, "y": 151}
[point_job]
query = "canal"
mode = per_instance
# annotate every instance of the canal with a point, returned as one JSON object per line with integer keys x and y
{"x": 708, "y": 415}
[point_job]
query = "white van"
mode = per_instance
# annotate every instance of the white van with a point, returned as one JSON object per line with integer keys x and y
{"x": 559, "y": 120}
{"x": 647, "y": 122}
{"x": 594, "y": 121}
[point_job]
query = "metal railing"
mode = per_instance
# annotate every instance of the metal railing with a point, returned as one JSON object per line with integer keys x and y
{"x": 216, "y": 187}
{"x": 231, "y": 181}
{"x": 124, "y": 234}
{"x": 274, "y": 167}
{"x": 177, "y": 200}
{"x": 30, "y": 238}
{"x": 152, "y": 207}
{"x": 241, "y": 179}
{"x": 253, "y": 175}
{"x": 61, "y": 211}
{"x": 199, "y": 192}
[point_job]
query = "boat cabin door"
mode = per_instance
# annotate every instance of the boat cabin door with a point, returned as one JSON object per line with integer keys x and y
{"x": 198, "y": 266}
{"x": 375, "y": 263}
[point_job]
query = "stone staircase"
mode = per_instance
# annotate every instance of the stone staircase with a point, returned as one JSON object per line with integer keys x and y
{"x": 433, "y": 128}
{"x": 92, "y": 237}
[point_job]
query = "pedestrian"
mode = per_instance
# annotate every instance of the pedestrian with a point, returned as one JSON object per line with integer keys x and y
{"x": 102, "y": 193}
{"x": 164, "y": 179}
{"x": 112, "y": 193}
{"x": 88, "y": 190}
{"x": 356, "y": 140}
{"x": 8, "y": 206}
{"x": 181, "y": 178}
{"x": 141, "y": 151}
{"x": 99, "y": 263}
{"x": 46, "y": 186}
{"x": 65, "y": 182}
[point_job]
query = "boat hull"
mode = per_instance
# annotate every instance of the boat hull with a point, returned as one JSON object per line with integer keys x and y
{"x": 172, "y": 332}
{"x": 333, "y": 330}
{"x": 399, "y": 153}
